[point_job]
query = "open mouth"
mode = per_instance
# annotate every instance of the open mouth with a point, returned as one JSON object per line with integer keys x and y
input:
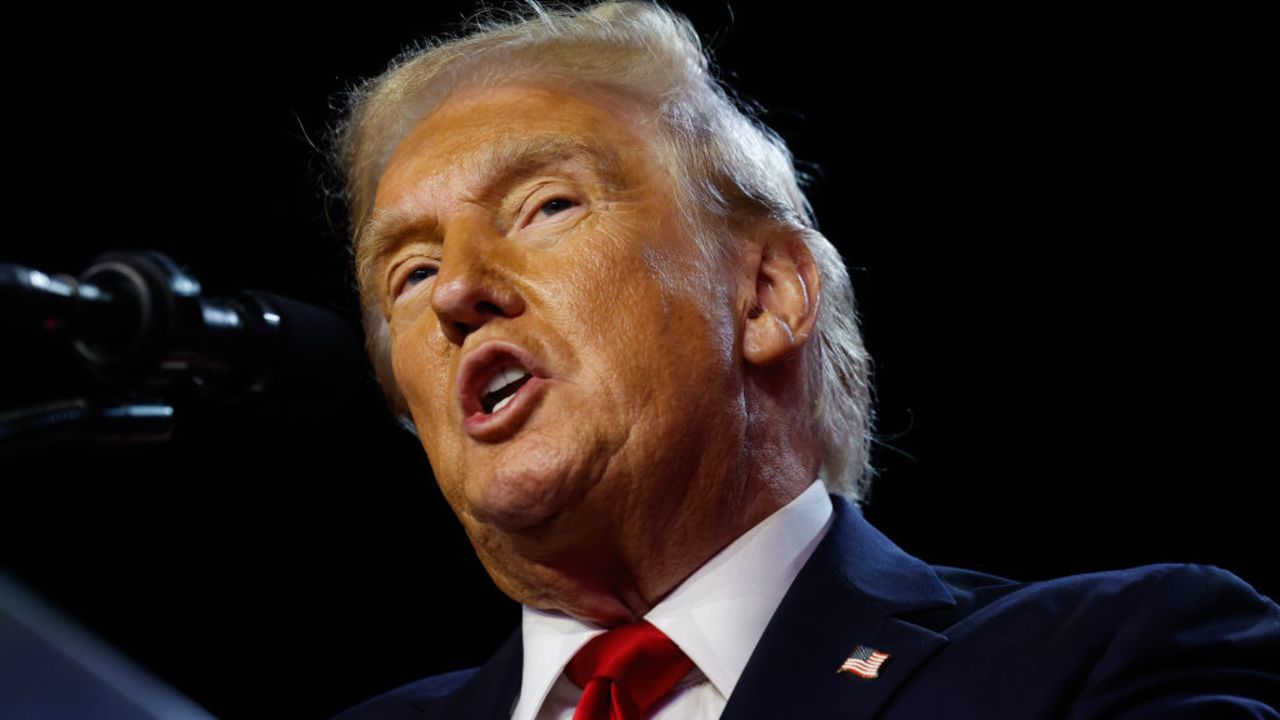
{"x": 502, "y": 387}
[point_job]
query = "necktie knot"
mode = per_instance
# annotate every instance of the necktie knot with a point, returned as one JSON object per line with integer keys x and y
{"x": 625, "y": 672}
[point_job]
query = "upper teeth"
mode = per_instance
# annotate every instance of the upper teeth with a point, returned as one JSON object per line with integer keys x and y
{"x": 503, "y": 378}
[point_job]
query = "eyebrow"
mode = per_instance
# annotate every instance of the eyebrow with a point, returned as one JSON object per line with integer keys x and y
{"x": 500, "y": 166}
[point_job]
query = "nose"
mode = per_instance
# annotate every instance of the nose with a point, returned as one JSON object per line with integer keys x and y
{"x": 470, "y": 287}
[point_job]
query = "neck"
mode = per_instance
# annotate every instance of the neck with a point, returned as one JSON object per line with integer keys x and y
{"x": 614, "y": 559}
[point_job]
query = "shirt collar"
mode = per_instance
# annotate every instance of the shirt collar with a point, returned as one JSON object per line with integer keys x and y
{"x": 716, "y": 616}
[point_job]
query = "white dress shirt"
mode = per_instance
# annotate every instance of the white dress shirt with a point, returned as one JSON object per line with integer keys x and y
{"x": 716, "y": 616}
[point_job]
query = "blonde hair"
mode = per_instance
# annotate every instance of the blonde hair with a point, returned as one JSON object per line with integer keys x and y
{"x": 726, "y": 164}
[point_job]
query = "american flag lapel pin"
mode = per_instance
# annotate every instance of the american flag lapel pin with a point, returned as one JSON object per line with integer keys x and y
{"x": 864, "y": 662}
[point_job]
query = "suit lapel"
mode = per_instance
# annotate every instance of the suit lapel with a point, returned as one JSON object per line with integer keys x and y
{"x": 852, "y": 592}
{"x": 489, "y": 694}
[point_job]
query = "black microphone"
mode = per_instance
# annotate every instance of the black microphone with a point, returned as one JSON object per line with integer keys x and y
{"x": 139, "y": 319}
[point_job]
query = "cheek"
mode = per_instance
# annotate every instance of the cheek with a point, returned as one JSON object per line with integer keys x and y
{"x": 418, "y": 370}
{"x": 666, "y": 345}
{"x": 619, "y": 307}
{"x": 422, "y": 376}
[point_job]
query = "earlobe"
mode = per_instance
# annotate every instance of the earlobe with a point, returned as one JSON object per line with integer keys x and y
{"x": 783, "y": 306}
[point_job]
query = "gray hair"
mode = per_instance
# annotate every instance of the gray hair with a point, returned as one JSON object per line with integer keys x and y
{"x": 727, "y": 165}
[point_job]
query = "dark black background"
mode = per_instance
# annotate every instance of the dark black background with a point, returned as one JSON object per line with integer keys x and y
{"x": 1057, "y": 219}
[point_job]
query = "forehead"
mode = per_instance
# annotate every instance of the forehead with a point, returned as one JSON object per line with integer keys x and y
{"x": 481, "y": 132}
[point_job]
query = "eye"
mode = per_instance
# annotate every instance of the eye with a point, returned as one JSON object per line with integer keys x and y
{"x": 418, "y": 275}
{"x": 415, "y": 276}
{"x": 550, "y": 208}
{"x": 554, "y": 206}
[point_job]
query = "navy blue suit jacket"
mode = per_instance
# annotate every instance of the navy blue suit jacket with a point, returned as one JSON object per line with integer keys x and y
{"x": 1167, "y": 641}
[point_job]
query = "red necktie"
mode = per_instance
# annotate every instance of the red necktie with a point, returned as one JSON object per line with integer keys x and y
{"x": 625, "y": 672}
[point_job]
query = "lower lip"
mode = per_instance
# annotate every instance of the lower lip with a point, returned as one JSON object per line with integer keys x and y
{"x": 506, "y": 422}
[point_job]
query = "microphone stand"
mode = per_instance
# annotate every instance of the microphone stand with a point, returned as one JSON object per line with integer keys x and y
{"x": 62, "y": 422}
{"x": 51, "y": 305}
{"x": 141, "y": 327}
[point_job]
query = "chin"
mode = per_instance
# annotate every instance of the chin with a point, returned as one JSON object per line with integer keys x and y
{"x": 527, "y": 485}
{"x": 519, "y": 499}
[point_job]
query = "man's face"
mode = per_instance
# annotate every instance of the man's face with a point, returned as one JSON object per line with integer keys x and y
{"x": 568, "y": 359}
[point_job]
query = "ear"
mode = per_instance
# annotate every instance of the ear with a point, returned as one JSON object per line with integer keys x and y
{"x": 782, "y": 307}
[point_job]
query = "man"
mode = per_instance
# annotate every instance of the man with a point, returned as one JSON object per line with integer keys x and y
{"x": 593, "y": 287}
